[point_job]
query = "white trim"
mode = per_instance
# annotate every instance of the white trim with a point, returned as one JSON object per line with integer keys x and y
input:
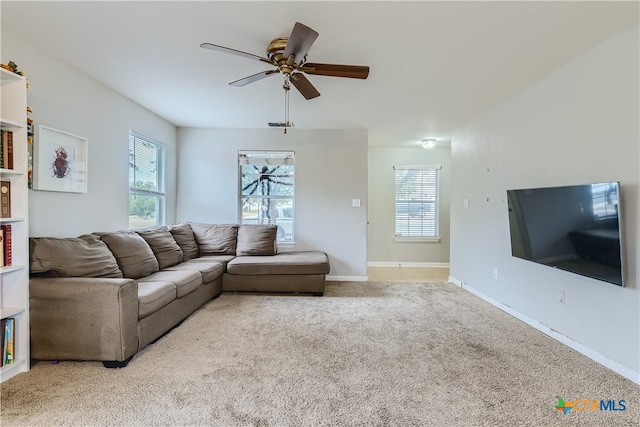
{"x": 455, "y": 281}
{"x": 416, "y": 239}
{"x": 346, "y": 278}
{"x": 585, "y": 351}
{"x": 407, "y": 264}
{"x": 419, "y": 167}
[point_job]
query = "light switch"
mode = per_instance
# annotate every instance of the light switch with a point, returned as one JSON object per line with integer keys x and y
{"x": 355, "y": 203}
{"x": 466, "y": 203}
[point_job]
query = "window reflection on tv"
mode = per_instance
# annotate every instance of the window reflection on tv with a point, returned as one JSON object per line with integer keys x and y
{"x": 573, "y": 228}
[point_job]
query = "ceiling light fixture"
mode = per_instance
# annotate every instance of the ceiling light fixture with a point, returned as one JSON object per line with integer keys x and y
{"x": 428, "y": 143}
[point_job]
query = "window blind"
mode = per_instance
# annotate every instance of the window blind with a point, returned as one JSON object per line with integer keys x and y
{"x": 416, "y": 201}
{"x": 146, "y": 164}
{"x": 146, "y": 181}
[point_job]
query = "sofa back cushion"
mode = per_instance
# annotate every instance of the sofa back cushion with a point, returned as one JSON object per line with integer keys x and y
{"x": 183, "y": 235}
{"x": 133, "y": 253}
{"x": 215, "y": 239}
{"x": 84, "y": 256}
{"x": 163, "y": 245}
{"x": 256, "y": 239}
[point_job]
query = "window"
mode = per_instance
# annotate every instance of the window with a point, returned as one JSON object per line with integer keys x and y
{"x": 146, "y": 181}
{"x": 267, "y": 190}
{"x": 416, "y": 202}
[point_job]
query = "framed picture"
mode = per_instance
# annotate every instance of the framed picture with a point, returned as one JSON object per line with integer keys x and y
{"x": 59, "y": 161}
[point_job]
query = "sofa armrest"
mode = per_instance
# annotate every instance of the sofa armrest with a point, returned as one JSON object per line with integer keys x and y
{"x": 83, "y": 318}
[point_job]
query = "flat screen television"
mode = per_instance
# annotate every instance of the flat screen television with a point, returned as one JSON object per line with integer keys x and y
{"x": 576, "y": 228}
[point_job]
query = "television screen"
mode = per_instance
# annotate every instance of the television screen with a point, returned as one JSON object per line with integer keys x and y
{"x": 574, "y": 228}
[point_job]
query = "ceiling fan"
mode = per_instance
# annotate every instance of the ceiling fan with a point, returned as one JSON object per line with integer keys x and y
{"x": 289, "y": 55}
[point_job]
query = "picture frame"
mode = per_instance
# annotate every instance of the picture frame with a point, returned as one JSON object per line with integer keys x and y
{"x": 59, "y": 161}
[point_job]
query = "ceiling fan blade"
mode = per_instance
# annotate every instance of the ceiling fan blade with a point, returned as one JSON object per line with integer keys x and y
{"x": 253, "y": 78}
{"x": 234, "y": 52}
{"x": 336, "y": 70}
{"x": 300, "y": 40}
{"x": 304, "y": 86}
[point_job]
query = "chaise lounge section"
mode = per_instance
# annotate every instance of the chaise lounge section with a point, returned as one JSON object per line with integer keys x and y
{"x": 106, "y": 295}
{"x": 286, "y": 272}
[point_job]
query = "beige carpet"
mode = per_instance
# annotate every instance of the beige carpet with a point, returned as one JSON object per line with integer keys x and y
{"x": 365, "y": 354}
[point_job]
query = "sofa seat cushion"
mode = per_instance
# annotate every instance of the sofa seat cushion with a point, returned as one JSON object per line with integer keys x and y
{"x": 152, "y": 296}
{"x": 222, "y": 259}
{"x": 302, "y": 262}
{"x": 210, "y": 271}
{"x": 185, "y": 281}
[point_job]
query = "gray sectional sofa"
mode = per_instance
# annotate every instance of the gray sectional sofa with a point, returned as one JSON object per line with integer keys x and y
{"x": 105, "y": 296}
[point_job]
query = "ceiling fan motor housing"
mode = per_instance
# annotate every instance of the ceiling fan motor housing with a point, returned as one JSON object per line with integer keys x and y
{"x": 275, "y": 52}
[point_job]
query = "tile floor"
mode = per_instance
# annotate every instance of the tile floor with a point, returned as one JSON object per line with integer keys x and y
{"x": 407, "y": 274}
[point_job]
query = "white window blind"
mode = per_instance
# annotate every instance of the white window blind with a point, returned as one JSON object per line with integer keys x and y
{"x": 146, "y": 181}
{"x": 267, "y": 190}
{"x": 416, "y": 201}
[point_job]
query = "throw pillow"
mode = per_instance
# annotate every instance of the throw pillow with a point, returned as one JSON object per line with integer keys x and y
{"x": 84, "y": 256}
{"x": 133, "y": 253}
{"x": 215, "y": 239}
{"x": 183, "y": 235}
{"x": 163, "y": 245}
{"x": 257, "y": 239}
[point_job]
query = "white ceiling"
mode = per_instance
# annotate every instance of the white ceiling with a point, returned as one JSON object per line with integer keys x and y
{"x": 434, "y": 65}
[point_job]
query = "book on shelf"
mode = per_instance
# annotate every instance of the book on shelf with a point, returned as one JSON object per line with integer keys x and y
{"x": 3, "y": 324}
{"x": 8, "y": 346}
{"x": 7, "y": 149}
{"x": 6, "y": 245}
{"x": 2, "y": 264}
{"x": 5, "y": 199}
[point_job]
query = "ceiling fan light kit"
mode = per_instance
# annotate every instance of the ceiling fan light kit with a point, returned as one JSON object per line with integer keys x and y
{"x": 428, "y": 143}
{"x": 289, "y": 57}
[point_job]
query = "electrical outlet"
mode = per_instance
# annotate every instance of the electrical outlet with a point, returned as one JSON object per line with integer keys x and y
{"x": 495, "y": 273}
{"x": 561, "y": 297}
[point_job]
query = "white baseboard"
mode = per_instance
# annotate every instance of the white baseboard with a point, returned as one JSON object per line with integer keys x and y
{"x": 455, "y": 281}
{"x": 407, "y": 264}
{"x": 585, "y": 351}
{"x": 346, "y": 278}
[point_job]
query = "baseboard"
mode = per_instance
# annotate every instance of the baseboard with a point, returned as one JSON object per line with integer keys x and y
{"x": 407, "y": 264}
{"x": 455, "y": 281}
{"x": 346, "y": 278}
{"x": 585, "y": 351}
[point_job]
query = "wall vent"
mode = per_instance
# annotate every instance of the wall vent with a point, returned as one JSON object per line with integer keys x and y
{"x": 280, "y": 125}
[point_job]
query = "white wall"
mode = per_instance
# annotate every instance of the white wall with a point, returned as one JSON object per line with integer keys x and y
{"x": 331, "y": 170}
{"x": 580, "y": 124}
{"x": 381, "y": 247}
{"x": 64, "y": 98}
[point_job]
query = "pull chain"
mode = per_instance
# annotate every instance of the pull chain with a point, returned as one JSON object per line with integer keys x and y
{"x": 286, "y": 88}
